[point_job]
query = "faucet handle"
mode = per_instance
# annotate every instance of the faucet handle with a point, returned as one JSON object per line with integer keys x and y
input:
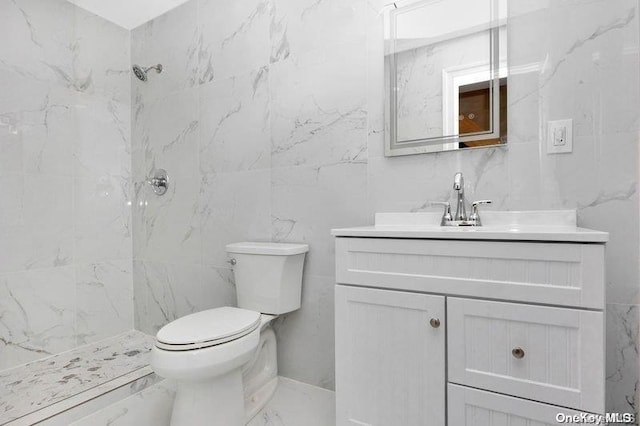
{"x": 446, "y": 216}
{"x": 475, "y": 216}
{"x": 477, "y": 203}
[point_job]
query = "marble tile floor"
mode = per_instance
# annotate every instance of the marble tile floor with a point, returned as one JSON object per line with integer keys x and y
{"x": 293, "y": 404}
{"x": 38, "y": 390}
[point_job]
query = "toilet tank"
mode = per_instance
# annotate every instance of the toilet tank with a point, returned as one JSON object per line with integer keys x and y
{"x": 268, "y": 276}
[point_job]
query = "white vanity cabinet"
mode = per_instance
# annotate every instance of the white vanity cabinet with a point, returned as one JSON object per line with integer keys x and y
{"x": 468, "y": 331}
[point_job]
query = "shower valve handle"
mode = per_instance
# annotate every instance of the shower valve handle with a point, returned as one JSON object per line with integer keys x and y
{"x": 159, "y": 182}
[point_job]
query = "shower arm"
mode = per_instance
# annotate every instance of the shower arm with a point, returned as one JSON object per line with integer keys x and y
{"x": 158, "y": 68}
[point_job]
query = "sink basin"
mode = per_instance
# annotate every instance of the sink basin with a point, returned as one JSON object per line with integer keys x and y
{"x": 536, "y": 225}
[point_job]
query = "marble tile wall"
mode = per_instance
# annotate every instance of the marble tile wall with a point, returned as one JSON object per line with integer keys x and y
{"x": 270, "y": 120}
{"x": 65, "y": 164}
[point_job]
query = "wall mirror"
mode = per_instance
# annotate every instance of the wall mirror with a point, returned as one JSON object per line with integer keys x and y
{"x": 445, "y": 75}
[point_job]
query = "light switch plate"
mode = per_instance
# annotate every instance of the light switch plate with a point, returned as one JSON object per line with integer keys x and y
{"x": 559, "y": 136}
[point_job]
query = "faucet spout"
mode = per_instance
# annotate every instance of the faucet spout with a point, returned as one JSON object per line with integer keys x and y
{"x": 458, "y": 185}
{"x": 458, "y": 182}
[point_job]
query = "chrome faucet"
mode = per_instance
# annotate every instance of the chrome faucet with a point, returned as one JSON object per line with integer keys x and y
{"x": 460, "y": 218}
{"x": 458, "y": 185}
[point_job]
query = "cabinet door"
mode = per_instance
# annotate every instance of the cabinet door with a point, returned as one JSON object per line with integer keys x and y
{"x": 390, "y": 358}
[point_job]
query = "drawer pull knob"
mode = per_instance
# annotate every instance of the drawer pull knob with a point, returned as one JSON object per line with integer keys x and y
{"x": 435, "y": 322}
{"x": 517, "y": 353}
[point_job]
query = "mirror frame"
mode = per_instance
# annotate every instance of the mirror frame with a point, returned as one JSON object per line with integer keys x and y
{"x": 452, "y": 79}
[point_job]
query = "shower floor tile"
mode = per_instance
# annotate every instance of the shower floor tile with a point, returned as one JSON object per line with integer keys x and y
{"x": 65, "y": 379}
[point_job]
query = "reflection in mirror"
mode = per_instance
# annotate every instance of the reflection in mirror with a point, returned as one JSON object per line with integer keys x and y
{"x": 446, "y": 75}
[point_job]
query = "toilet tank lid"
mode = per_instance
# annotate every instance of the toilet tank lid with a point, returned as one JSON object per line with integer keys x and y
{"x": 274, "y": 249}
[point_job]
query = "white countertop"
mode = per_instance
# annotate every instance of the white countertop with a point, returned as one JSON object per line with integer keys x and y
{"x": 552, "y": 225}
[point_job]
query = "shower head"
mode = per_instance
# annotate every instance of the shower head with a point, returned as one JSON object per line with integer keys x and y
{"x": 141, "y": 73}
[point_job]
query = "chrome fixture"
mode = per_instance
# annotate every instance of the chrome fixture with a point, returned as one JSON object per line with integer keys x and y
{"x": 141, "y": 72}
{"x": 435, "y": 322}
{"x": 159, "y": 182}
{"x": 446, "y": 217}
{"x": 458, "y": 185}
{"x": 475, "y": 216}
{"x": 460, "y": 218}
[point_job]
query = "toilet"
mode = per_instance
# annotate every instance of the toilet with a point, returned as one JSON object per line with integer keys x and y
{"x": 224, "y": 360}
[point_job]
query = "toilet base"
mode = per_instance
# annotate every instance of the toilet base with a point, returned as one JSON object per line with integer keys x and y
{"x": 260, "y": 375}
{"x": 210, "y": 402}
{"x": 256, "y": 402}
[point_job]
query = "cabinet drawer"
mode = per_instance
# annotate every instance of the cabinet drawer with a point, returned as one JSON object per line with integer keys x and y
{"x": 562, "y": 355}
{"x": 473, "y": 407}
{"x": 567, "y": 274}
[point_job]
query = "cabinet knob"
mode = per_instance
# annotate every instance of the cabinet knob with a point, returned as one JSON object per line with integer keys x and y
{"x": 517, "y": 353}
{"x": 435, "y": 322}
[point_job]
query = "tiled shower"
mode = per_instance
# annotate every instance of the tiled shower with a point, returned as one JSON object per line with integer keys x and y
{"x": 66, "y": 238}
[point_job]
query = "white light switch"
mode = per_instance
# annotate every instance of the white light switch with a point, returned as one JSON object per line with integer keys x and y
{"x": 559, "y": 136}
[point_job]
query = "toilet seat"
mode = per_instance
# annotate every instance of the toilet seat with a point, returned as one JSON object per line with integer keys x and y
{"x": 207, "y": 328}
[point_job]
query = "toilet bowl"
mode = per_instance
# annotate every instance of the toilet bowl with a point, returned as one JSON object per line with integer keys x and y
{"x": 224, "y": 360}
